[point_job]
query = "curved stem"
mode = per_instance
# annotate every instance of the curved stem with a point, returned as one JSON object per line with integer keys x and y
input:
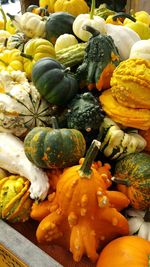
{"x": 92, "y": 9}
{"x": 90, "y": 29}
{"x": 54, "y": 122}
{"x": 4, "y": 17}
{"x": 12, "y": 17}
{"x": 26, "y": 56}
{"x": 123, "y": 15}
{"x": 120, "y": 181}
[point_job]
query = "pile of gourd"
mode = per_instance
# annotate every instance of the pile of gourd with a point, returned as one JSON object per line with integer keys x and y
{"x": 74, "y": 128}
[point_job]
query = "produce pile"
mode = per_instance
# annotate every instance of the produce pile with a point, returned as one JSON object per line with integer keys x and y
{"x": 75, "y": 128}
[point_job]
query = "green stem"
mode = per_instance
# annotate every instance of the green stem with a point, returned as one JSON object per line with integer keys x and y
{"x": 123, "y": 15}
{"x": 12, "y": 17}
{"x": 90, "y": 29}
{"x": 26, "y": 56}
{"x": 4, "y": 17}
{"x": 92, "y": 9}
{"x": 85, "y": 170}
{"x": 120, "y": 181}
{"x": 147, "y": 215}
{"x": 54, "y": 122}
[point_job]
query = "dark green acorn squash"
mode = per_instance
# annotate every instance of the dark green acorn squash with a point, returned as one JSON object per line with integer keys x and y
{"x": 54, "y": 148}
{"x": 57, "y": 24}
{"x": 100, "y": 59}
{"x": 132, "y": 174}
{"x": 53, "y": 81}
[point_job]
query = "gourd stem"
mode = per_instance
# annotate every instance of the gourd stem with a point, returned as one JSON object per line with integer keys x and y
{"x": 12, "y": 17}
{"x": 54, "y": 122}
{"x": 4, "y": 17}
{"x": 85, "y": 170}
{"x": 147, "y": 215}
{"x": 26, "y": 56}
{"x": 120, "y": 181}
{"x": 123, "y": 15}
{"x": 92, "y": 9}
{"x": 90, "y": 29}
{"x": 3, "y": 62}
{"x": 5, "y": 42}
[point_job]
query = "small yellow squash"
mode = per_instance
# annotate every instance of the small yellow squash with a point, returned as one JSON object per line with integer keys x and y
{"x": 74, "y": 7}
{"x": 11, "y": 60}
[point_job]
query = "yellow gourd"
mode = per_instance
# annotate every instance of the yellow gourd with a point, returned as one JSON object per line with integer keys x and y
{"x": 11, "y": 60}
{"x": 74, "y": 7}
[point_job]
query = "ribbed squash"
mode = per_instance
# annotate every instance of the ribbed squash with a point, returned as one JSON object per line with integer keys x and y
{"x": 49, "y": 3}
{"x": 132, "y": 174}
{"x": 131, "y": 117}
{"x": 130, "y": 83}
{"x": 11, "y": 60}
{"x": 73, "y": 7}
{"x": 17, "y": 40}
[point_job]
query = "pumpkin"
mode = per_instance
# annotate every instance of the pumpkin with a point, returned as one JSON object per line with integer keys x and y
{"x": 15, "y": 203}
{"x": 73, "y": 7}
{"x": 141, "y": 49}
{"x": 132, "y": 175}
{"x": 129, "y": 117}
{"x": 53, "y": 81}
{"x": 139, "y": 223}
{"x": 116, "y": 143}
{"x": 57, "y": 24}
{"x": 49, "y": 3}
{"x": 29, "y": 23}
{"x": 34, "y": 50}
{"x": 89, "y": 19}
{"x": 11, "y": 60}
{"x": 100, "y": 59}
{"x": 130, "y": 83}
{"x": 125, "y": 251}
{"x": 65, "y": 40}
{"x": 59, "y": 148}
{"x": 17, "y": 40}
{"x": 14, "y": 160}
{"x": 81, "y": 216}
{"x": 21, "y": 107}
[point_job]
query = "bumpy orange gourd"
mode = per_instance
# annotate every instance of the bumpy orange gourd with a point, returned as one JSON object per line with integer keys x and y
{"x": 82, "y": 215}
{"x": 130, "y": 83}
{"x": 131, "y": 251}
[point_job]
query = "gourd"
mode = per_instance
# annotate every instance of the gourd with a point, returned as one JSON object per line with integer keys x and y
{"x": 89, "y": 19}
{"x": 21, "y": 107}
{"x": 129, "y": 117}
{"x": 86, "y": 209}
{"x": 116, "y": 143}
{"x": 59, "y": 148}
{"x": 72, "y": 55}
{"x": 31, "y": 24}
{"x": 57, "y": 24}
{"x": 130, "y": 83}
{"x": 84, "y": 113}
{"x": 34, "y": 50}
{"x": 72, "y": 7}
{"x": 124, "y": 251}
{"x": 14, "y": 160}
{"x": 15, "y": 203}
{"x": 100, "y": 59}
{"x": 17, "y": 40}
{"x": 3, "y": 36}
{"x": 49, "y": 3}
{"x": 132, "y": 177}
{"x": 103, "y": 12}
{"x": 139, "y": 223}
{"x": 11, "y": 60}
{"x": 141, "y": 49}
{"x": 57, "y": 85}
{"x": 41, "y": 11}
{"x": 146, "y": 135}
{"x": 64, "y": 41}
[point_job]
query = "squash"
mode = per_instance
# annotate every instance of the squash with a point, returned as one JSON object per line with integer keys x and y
{"x": 11, "y": 60}
{"x": 31, "y": 24}
{"x": 125, "y": 251}
{"x": 41, "y": 11}
{"x": 130, "y": 83}
{"x": 34, "y": 50}
{"x": 90, "y": 20}
{"x": 21, "y": 107}
{"x": 53, "y": 81}
{"x": 81, "y": 214}
{"x": 17, "y": 40}
{"x": 132, "y": 175}
{"x": 84, "y": 113}
{"x": 129, "y": 117}
{"x": 14, "y": 160}
{"x": 73, "y": 7}
{"x": 15, "y": 203}
{"x": 65, "y": 40}
{"x": 100, "y": 59}
{"x": 49, "y": 3}
{"x": 146, "y": 135}
{"x": 57, "y": 24}
{"x": 103, "y": 12}
{"x": 139, "y": 222}
{"x": 10, "y": 27}
{"x": 4, "y": 35}
{"x": 141, "y": 49}
{"x": 116, "y": 143}
{"x": 59, "y": 148}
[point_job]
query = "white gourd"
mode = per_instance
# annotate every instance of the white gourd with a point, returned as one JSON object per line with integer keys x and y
{"x": 141, "y": 49}
{"x": 64, "y": 41}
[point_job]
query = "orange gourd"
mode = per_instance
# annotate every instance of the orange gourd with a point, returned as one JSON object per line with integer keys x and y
{"x": 83, "y": 216}
{"x": 131, "y": 251}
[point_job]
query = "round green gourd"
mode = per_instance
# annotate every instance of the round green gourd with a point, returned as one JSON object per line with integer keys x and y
{"x": 55, "y": 83}
{"x": 54, "y": 148}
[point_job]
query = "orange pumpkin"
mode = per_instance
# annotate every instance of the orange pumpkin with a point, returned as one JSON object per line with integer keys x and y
{"x": 131, "y": 251}
{"x": 83, "y": 216}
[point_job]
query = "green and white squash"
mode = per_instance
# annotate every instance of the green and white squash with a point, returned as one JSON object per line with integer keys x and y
{"x": 17, "y": 40}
